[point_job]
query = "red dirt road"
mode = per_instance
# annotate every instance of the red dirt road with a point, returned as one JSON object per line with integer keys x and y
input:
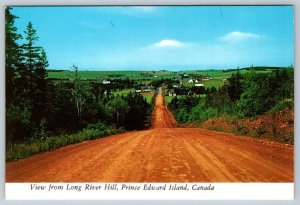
{"x": 162, "y": 117}
{"x": 161, "y": 154}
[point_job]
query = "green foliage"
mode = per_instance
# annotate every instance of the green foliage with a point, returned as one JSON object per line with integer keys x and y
{"x": 12, "y": 53}
{"x": 191, "y": 109}
{"x": 23, "y": 150}
{"x": 139, "y": 112}
{"x": 282, "y": 105}
{"x": 234, "y": 87}
{"x": 119, "y": 108}
{"x": 43, "y": 114}
{"x": 247, "y": 95}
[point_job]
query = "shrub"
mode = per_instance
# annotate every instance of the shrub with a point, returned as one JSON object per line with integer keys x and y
{"x": 19, "y": 151}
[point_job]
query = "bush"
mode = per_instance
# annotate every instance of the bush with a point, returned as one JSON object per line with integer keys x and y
{"x": 19, "y": 151}
{"x": 282, "y": 105}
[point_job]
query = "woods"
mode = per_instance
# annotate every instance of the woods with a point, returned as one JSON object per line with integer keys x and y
{"x": 41, "y": 111}
{"x": 267, "y": 98}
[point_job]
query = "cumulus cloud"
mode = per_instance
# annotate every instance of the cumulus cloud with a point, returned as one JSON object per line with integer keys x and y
{"x": 236, "y": 36}
{"x": 167, "y": 43}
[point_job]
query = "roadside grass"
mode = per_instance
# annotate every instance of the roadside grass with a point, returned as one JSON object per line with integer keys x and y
{"x": 24, "y": 150}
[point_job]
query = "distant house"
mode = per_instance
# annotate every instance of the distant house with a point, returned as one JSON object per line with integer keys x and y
{"x": 196, "y": 81}
{"x": 175, "y": 86}
{"x": 171, "y": 93}
{"x": 199, "y": 85}
{"x": 138, "y": 91}
{"x": 105, "y": 82}
{"x": 191, "y": 81}
{"x": 147, "y": 88}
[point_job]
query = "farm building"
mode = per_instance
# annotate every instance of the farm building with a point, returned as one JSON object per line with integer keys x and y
{"x": 147, "y": 88}
{"x": 206, "y": 78}
{"x": 199, "y": 85}
{"x": 171, "y": 93}
{"x": 105, "y": 82}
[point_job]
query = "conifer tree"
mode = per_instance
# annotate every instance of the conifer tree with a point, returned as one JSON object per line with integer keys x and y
{"x": 12, "y": 53}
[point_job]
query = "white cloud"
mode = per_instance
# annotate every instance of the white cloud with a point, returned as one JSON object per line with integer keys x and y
{"x": 167, "y": 43}
{"x": 236, "y": 36}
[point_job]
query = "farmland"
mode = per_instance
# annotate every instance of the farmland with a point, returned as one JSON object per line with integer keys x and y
{"x": 215, "y": 78}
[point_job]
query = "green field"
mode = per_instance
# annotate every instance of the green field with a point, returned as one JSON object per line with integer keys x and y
{"x": 148, "y": 96}
{"x": 214, "y": 82}
{"x": 100, "y": 75}
{"x": 123, "y": 92}
{"x": 168, "y": 99}
{"x": 226, "y": 73}
{"x": 148, "y": 99}
{"x": 146, "y": 76}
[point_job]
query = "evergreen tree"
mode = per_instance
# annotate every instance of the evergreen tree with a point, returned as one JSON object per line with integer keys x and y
{"x": 235, "y": 88}
{"x": 33, "y": 75}
{"x": 31, "y": 58}
{"x": 40, "y": 87}
{"x": 12, "y": 53}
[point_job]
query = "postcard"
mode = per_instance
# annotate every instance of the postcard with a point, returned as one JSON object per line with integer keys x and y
{"x": 149, "y": 102}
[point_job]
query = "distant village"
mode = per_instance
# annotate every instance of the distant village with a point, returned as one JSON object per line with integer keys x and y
{"x": 183, "y": 85}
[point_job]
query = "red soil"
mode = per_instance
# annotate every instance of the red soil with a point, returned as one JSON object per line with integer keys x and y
{"x": 161, "y": 154}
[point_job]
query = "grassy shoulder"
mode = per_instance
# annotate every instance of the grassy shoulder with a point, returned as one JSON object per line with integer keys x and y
{"x": 27, "y": 149}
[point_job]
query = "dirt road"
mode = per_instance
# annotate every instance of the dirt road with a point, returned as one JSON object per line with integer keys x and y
{"x": 161, "y": 154}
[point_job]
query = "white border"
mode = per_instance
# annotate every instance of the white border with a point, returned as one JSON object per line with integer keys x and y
{"x": 121, "y": 191}
{"x": 3, "y": 3}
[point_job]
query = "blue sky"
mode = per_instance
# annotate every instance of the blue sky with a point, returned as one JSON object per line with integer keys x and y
{"x": 188, "y": 37}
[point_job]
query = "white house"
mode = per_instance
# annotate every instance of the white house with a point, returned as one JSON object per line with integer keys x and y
{"x": 191, "y": 81}
{"x": 105, "y": 82}
{"x": 172, "y": 93}
{"x": 199, "y": 85}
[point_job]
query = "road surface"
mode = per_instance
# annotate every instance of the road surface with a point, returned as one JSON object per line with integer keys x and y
{"x": 163, "y": 153}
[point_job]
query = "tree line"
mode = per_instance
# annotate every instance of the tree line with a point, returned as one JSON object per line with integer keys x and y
{"x": 38, "y": 107}
{"x": 247, "y": 95}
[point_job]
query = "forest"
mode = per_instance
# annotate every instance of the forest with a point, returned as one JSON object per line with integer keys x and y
{"x": 243, "y": 96}
{"x": 44, "y": 113}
